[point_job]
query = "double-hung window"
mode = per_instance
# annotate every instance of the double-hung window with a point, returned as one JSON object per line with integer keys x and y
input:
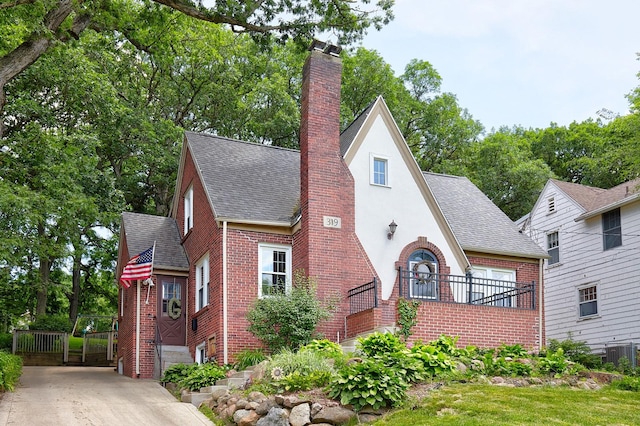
{"x": 588, "y": 301}
{"x": 202, "y": 283}
{"x": 553, "y": 248}
{"x": 379, "y": 170}
{"x": 274, "y": 269}
{"x": 611, "y": 229}
{"x": 188, "y": 210}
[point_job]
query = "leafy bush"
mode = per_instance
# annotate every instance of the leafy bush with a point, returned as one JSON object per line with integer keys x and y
{"x": 6, "y": 341}
{"x": 447, "y": 344}
{"x": 249, "y": 357}
{"x": 177, "y": 372}
{"x": 407, "y": 316}
{"x": 324, "y": 347}
{"x": 52, "y": 323}
{"x": 288, "y": 320}
{"x": 554, "y": 363}
{"x": 302, "y": 370}
{"x": 576, "y": 351}
{"x": 300, "y": 382}
{"x": 203, "y": 375}
{"x": 435, "y": 362}
{"x": 369, "y": 382}
{"x": 511, "y": 351}
{"x": 628, "y": 383}
{"x": 380, "y": 344}
{"x": 10, "y": 371}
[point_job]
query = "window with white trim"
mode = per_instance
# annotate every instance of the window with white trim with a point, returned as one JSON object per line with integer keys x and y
{"x": 553, "y": 248}
{"x": 379, "y": 170}
{"x": 188, "y": 209}
{"x": 201, "y": 353}
{"x": 202, "y": 282}
{"x": 496, "y": 286}
{"x": 274, "y": 263}
{"x": 588, "y": 301}
{"x": 611, "y": 229}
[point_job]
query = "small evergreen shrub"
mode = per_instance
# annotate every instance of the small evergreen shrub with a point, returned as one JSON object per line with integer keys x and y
{"x": 368, "y": 383}
{"x": 249, "y": 357}
{"x": 576, "y": 351}
{"x": 10, "y": 371}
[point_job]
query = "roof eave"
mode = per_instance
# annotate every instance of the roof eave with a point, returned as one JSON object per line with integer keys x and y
{"x": 603, "y": 209}
{"x": 541, "y": 255}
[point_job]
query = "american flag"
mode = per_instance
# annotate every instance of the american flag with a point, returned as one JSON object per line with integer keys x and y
{"x": 138, "y": 268}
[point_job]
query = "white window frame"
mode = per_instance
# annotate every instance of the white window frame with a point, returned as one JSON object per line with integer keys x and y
{"x": 551, "y": 247}
{"x": 373, "y": 158}
{"x": 201, "y": 353}
{"x": 268, "y": 249}
{"x": 188, "y": 209}
{"x": 584, "y": 288}
{"x": 487, "y": 272}
{"x": 202, "y": 282}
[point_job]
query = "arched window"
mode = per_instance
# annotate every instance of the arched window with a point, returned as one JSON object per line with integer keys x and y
{"x": 423, "y": 266}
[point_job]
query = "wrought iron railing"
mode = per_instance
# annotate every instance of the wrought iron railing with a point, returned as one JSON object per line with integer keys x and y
{"x": 363, "y": 297}
{"x": 467, "y": 289}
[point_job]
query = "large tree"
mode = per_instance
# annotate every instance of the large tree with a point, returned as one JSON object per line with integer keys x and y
{"x": 31, "y": 27}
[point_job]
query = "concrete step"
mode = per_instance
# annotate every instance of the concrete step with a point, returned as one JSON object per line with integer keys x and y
{"x": 232, "y": 382}
{"x": 172, "y": 355}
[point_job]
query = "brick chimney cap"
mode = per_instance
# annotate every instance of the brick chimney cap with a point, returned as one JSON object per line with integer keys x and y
{"x": 325, "y": 47}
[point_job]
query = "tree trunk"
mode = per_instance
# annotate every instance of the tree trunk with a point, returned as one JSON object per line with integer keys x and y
{"x": 74, "y": 298}
{"x": 42, "y": 293}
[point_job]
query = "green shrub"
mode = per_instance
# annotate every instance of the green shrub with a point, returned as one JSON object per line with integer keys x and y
{"x": 511, "y": 351}
{"x": 324, "y": 347}
{"x": 554, "y": 363}
{"x": 447, "y": 344}
{"x": 6, "y": 341}
{"x": 300, "y": 382}
{"x": 302, "y": 370}
{"x": 369, "y": 382}
{"x": 407, "y": 316}
{"x": 380, "y": 344}
{"x": 177, "y": 372}
{"x": 52, "y": 323}
{"x": 627, "y": 383}
{"x": 435, "y": 362}
{"x": 288, "y": 320}
{"x": 10, "y": 371}
{"x": 249, "y": 357}
{"x": 203, "y": 375}
{"x": 576, "y": 351}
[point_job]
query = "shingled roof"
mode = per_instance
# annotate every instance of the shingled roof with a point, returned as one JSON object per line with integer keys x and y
{"x": 142, "y": 230}
{"x": 597, "y": 200}
{"x": 478, "y": 224}
{"x": 581, "y": 194}
{"x": 247, "y": 181}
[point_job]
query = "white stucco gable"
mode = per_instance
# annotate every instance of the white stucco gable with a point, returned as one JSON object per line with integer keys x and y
{"x": 405, "y": 199}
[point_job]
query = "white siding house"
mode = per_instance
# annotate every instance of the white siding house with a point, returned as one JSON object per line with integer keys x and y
{"x": 592, "y": 277}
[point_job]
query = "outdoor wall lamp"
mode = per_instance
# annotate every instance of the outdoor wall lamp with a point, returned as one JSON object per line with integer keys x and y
{"x": 392, "y": 229}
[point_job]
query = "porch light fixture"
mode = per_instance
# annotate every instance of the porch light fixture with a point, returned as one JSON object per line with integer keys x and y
{"x": 392, "y": 229}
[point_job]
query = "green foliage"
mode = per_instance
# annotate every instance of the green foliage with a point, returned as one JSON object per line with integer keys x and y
{"x": 10, "y": 370}
{"x": 629, "y": 383}
{"x": 288, "y": 320}
{"x": 435, "y": 361}
{"x": 512, "y": 351}
{"x": 249, "y": 357}
{"x": 624, "y": 366}
{"x": 554, "y": 363}
{"x": 299, "y": 382}
{"x": 380, "y": 344}
{"x": 177, "y": 372}
{"x": 368, "y": 383}
{"x": 407, "y": 314}
{"x": 302, "y": 370}
{"x": 576, "y": 351}
{"x": 6, "y": 341}
{"x": 326, "y": 348}
{"x": 52, "y": 323}
{"x": 203, "y": 375}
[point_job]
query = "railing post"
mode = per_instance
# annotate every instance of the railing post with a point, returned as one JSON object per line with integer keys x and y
{"x": 400, "y": 280}
{"x": 469, "y": 286}
{"x": 375, "y": 292}
{"x": 533, "y": 292}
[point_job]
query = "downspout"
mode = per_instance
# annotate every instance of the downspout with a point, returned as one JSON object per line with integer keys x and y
{"x": 540, "y": 296}
{"x": 225, "y": 313}
{"x": 138, "y": 330}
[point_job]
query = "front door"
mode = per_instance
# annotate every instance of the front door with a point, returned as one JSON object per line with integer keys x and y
{"x": 171, "y": 310}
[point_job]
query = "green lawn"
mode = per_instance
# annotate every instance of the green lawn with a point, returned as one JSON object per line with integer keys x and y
{"x": 472, "y": 404}
{"x": 75, "y": 343}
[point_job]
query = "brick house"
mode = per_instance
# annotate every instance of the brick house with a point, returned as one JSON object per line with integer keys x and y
{"x": 351, "y": 209}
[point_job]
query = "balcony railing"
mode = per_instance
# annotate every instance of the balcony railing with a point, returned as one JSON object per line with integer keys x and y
{"x": 467, "y": 289}
{"x": 363, "y": 297}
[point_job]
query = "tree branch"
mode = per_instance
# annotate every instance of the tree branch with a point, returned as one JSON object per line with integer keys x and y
{"x": 15, "y": 3}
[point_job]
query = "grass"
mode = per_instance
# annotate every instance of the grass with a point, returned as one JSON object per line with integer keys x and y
{"x": 75, "y": 343}
{"x": 474, "y": 404}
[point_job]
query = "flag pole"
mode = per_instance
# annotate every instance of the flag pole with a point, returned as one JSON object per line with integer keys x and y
{"x": 153, "y": 255}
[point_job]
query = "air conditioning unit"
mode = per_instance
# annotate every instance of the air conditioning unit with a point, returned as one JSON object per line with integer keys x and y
{"x": 614, "y": 353}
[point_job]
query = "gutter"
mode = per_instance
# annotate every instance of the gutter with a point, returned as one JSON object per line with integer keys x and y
{"x": 138, "y": 330}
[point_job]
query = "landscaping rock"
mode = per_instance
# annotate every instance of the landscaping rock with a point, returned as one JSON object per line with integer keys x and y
{"x": 277, "y": 416}
{"x": 266, "y": 406}
{"x": 334, "y": 415}
{"x": 300, "y": 415}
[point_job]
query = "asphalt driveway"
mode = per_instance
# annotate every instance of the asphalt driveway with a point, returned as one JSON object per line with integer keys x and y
{"x": 92, "y": 396}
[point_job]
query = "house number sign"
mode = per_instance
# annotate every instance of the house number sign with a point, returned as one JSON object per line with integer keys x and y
{"x": 332, "y": 222}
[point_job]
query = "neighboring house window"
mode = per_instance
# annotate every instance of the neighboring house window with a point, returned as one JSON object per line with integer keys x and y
{"x": 588, "y": 301}
{"x": 379, "y": 171}
{"x": 202, "y": 283}
{"x": 274, "y": 269}
{"x": 201, "y": 353}
{"x": 423, "y": 267}
{"x": 188, "y": 209}
{"x": 551, "y": 203}
{"x": 493, "y": 286}
{"x": 611, "y": 229}
{"x": 553, "y": 248}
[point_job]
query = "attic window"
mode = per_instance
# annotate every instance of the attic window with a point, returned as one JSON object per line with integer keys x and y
{"x": 551, "y": 203}
{"x": 379, "y": 171}
{"x": 188, "y": 210}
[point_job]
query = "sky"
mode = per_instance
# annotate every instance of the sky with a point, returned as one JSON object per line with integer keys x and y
{"x": 521, "y": 62}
